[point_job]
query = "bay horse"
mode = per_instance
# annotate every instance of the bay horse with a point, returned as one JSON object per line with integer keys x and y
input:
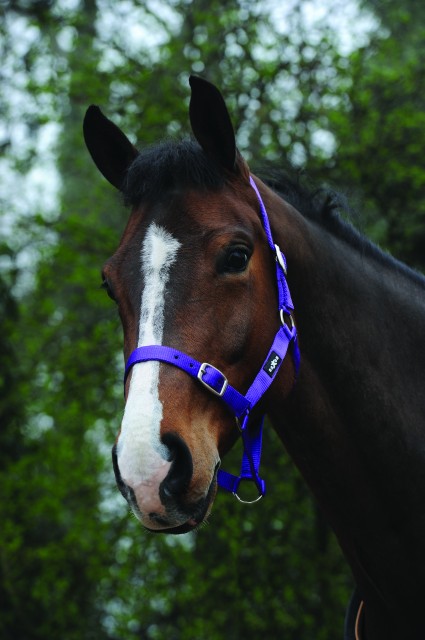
{"x": 200, "y": 277}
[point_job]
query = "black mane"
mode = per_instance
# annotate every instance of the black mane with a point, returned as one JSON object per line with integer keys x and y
{"x": 330, "y": 209}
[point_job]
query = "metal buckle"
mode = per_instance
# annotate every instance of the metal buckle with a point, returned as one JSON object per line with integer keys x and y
{"x": 201, "y": 373}
{"x": 280, "y": 259}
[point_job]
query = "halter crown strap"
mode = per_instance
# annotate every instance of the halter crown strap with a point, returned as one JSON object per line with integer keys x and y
{"x": 216, "y": 382}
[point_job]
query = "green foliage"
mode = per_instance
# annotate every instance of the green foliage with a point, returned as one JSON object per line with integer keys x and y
{"x": 73, "y": 564}
{"x": 381, "y": 132}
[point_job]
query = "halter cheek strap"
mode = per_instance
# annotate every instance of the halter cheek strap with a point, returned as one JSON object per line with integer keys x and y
{"x": 216, "y": 382}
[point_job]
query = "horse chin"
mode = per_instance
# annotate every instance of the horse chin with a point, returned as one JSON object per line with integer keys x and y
{"x": 176, "y": 531}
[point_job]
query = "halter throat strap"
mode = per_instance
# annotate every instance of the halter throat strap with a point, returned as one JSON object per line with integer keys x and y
{"x": 216, "y": 382}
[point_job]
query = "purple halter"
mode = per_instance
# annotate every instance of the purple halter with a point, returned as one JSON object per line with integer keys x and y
{"x": 216, "y": 382}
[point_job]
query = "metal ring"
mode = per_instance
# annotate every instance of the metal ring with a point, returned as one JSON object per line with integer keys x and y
{"x": 240, "y": 423}
{"x": 282, "y": 318}
{"x": 252, "y": 481}
{"x": 260, "y": 495}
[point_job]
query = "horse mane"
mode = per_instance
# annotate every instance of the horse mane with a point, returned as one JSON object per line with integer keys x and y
{"x": 331, "y": 210}
{"x": 181, "y": 164}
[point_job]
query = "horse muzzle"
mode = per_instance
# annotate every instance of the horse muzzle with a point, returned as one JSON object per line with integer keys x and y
{"x": 169, "y": 499}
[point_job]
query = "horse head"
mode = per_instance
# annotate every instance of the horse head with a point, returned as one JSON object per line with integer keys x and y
{"x": 193, "y": 271}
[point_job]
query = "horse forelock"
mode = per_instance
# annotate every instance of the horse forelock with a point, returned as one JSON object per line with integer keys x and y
{"x": 170, "y": 166}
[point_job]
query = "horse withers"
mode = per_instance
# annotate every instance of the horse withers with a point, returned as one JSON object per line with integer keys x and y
{"x": 210, "y": 336}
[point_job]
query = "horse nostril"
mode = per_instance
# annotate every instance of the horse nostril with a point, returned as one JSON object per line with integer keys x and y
{"x": 181, "y": 470}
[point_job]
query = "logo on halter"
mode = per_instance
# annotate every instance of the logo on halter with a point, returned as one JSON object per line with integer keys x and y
{"x": 272, "y": 364}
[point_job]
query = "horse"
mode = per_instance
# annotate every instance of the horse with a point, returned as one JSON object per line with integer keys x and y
{"x": 202, "y": 277}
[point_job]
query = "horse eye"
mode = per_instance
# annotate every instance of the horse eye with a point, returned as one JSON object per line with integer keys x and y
{"x": 235, "y": 260}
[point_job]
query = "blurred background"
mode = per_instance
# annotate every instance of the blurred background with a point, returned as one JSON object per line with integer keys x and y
{"x": 335, "y": 87}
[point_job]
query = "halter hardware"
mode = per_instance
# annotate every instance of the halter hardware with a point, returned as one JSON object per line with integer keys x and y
{"x": 209, "y": 385}
{"x": 282, "y": 314}
{"x": 216, "y": 382}
{"x": 280, "y": 259}
{"x": 237, "y": 496}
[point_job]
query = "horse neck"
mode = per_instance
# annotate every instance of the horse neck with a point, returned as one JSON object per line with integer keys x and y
{"x": 354, "y": 424}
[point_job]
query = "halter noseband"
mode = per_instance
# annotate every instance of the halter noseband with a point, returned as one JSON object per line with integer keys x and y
{"x": 216, "y": 382}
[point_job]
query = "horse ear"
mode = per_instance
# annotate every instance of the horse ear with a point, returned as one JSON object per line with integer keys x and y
{"x": 211, "y": 122}
{"x": 110, "y": 149}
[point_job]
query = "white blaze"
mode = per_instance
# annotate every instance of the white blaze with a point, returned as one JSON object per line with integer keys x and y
{"x": 142, "y": 458}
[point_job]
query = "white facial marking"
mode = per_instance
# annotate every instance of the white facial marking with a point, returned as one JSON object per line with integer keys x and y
{"x": 142, "y": 459}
